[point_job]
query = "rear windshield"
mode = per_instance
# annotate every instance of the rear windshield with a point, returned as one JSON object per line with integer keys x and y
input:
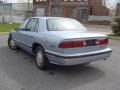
{"x": 64, "y": 24}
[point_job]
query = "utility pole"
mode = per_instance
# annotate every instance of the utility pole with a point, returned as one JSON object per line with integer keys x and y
{"x": 50, "y": 7}
{"x": 12, "y": 14}
{"x": 28, "y": 5}
{"x": 4, "y": 3}
{"x": 3, "y": 11}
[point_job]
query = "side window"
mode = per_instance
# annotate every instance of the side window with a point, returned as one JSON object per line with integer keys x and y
{"x": 31, "y": 25}
{"x": 36, "y": 27}
{"x": 22, "y": 26}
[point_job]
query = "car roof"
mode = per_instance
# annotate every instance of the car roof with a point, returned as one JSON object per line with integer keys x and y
{"x": 47, "y": 17}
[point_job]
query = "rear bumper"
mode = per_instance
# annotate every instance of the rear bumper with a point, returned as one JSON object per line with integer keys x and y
{"x": 78, "y": 58}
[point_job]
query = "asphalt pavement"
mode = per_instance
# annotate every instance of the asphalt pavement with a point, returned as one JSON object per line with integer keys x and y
{"x": 18, "y": 72}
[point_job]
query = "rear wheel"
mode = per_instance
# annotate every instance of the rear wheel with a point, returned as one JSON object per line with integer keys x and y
{"x": 12, "y": 44}
{"x": 41, "y": 59}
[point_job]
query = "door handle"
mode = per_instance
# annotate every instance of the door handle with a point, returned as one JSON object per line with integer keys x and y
{"x": 31, "y": 36}
{"x": 19, "y": 34}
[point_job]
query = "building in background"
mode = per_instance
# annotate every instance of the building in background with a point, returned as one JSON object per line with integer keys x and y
{"x": 98, "y": 8}
{"x": 78, "y": 9}
{"x": 24, "y": 10}
{"x": 5, "y": 11}
{"x": 99, "y": 13}
{"x": 118, "y": 10}
{"x": 1, "y": 7}
{"x": 15, "y": 12}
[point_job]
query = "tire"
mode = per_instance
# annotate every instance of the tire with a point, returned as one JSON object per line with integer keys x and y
{"x": 11, "y": 44}
{"x": 41, "y": 60}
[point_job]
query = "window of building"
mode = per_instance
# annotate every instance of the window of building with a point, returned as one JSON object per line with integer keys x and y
{"x": 65, "y": 0}
{"x": 37, "y": 0}
{"x": 72, "y": 12}
{"x": 85, "y": 0}
{"x": 56, "y": 10}
{"x": 40, "y": 0}
{"x": 84, "y": 15}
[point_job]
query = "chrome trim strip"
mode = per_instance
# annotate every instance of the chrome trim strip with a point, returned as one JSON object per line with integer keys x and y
{"x": 87, "y": 38}
{"x": 23, "y": 43}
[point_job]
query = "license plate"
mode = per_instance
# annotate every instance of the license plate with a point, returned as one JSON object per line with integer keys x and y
{"x": 90, "y": 42}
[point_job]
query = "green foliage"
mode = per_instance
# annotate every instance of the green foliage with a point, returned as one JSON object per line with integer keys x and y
{"x": 116, "y": 26}
{"x": 114, "y": 36}
{"x": 6, "y": 27}
{"x": 117, "y": 19}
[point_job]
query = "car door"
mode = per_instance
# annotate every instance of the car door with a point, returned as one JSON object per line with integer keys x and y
{"x": 27, "y": 35}
{"x": 17, "y": 35}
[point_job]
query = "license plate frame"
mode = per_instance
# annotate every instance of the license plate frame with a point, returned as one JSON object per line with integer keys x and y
{"x": 90, "y": 42}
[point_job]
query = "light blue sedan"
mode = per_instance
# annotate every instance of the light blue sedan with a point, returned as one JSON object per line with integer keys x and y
{"x": 58, "y": 40}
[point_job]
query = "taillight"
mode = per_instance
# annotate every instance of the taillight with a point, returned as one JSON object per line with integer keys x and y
{"x": 72, "y": 44}
{"x": 66, "y": 44}
{"x": 79, "y": 43}
{"x": 102, "y": 42}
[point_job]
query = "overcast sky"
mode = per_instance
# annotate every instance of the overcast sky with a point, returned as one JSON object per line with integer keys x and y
{"x": 112, "y": 3}
{"x": 109, "y": 3}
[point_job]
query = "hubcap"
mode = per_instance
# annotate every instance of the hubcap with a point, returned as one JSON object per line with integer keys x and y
{"x": 12, "y": 44}
{"x": 39, "y": 58}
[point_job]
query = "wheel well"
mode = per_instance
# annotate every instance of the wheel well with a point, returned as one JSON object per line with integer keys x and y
{"x": 10, "y": 35}
{"x": 35, "y": 45}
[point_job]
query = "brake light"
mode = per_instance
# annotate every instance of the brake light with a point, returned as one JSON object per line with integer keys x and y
{"x": 72, "y": 44}
{"x": 102, "y": 42}
{"x": 79, "y": 43}
{"x": 65, "y": 45}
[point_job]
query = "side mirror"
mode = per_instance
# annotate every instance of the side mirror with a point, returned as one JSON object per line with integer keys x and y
{"x": 26, "y": 29}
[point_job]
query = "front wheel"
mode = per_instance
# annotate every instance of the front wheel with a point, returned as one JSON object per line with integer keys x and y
{"x": 41, "y": 59}
{"x": 11, "y": 44}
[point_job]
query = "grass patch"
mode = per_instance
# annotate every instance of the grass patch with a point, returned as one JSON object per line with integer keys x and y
{"x": 6, "y": 27}
{"x": 114, "y": 36}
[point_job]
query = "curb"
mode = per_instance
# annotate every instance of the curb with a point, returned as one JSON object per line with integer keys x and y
{"x": 4, "y": 33}
{"x": 114, "y": 38}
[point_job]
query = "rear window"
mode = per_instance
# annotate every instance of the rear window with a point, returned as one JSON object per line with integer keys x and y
{"x": 64, "y": 24}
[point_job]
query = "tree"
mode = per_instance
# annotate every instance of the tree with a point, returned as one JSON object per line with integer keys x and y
{"x": 116, "y": 26}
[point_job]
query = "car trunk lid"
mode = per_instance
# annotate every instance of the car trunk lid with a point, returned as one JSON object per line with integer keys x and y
{"x": 75, "y": 34}
{"x": 88, "y": 37}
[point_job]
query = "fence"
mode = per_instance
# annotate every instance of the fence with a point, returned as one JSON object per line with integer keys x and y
{"x": 13, "y": 16}
{"x": 14, "y": 12}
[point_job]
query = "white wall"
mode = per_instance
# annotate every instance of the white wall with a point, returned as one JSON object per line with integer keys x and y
{"x": 100, "y": 18}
